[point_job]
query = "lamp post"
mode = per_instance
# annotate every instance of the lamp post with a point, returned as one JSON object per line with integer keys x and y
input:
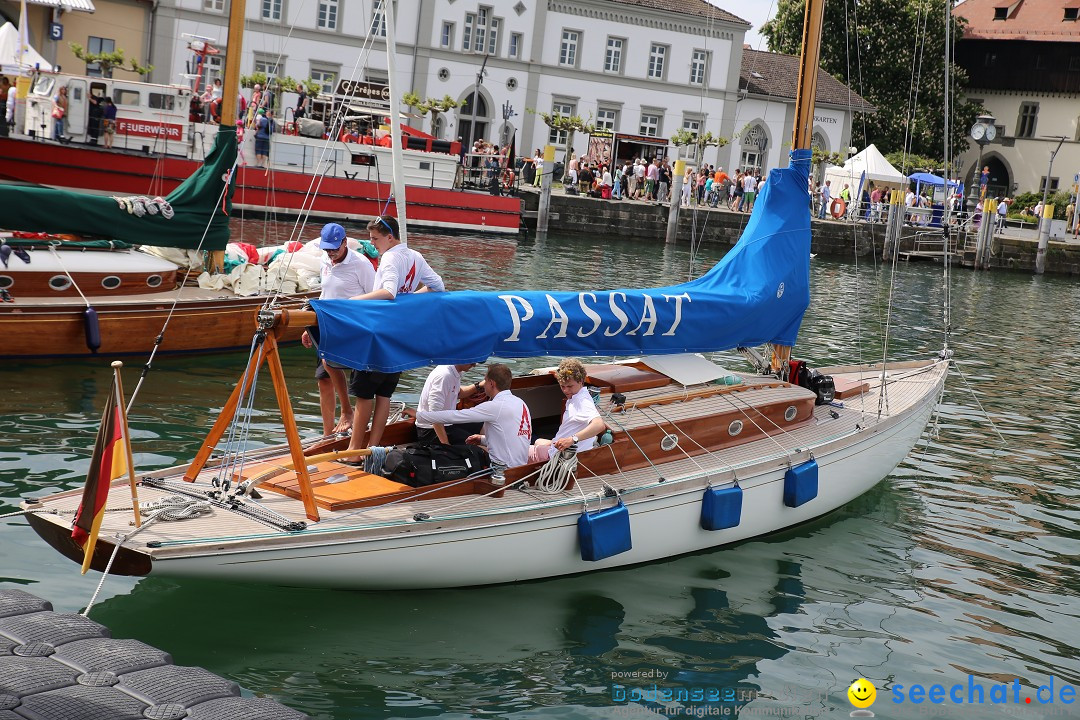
{"x": 507, "y": 113}
{"x": 983, "y": 132}
{"x": 476, "y": 101}
{"x": 762, "y": 142}
{"x": 1044, "y": 221}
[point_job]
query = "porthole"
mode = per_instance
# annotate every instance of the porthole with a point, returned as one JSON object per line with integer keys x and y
{"x": 511, "y": 84}
{"x": 110, "y": 282}
{"x": 153, "y": 281}
{"x": 6, "y": 281}
{"x": 735, "y": 428}
{"x": 59, "y": 283}
{"x": 444, "y": 74}
{"x": 790, "y": 413}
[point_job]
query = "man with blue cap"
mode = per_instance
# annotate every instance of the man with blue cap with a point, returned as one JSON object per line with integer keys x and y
{"x": 345, "y": 273}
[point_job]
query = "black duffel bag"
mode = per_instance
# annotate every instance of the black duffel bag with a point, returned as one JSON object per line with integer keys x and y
{"x": 429, "y": 464}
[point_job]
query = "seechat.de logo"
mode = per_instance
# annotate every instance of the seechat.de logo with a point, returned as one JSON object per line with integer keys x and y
{"x": 862, "y": 695}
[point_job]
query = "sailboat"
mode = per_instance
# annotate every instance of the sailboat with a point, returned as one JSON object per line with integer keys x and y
{"x": 64, "y": 297}
{"x": 699, "y": 457}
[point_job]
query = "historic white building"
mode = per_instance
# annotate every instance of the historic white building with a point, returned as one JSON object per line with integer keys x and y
{"x": 1023, "y": 63}
{"x": 642, "y": 69}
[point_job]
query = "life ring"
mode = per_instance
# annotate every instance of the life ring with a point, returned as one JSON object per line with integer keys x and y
{"x": 837, "y": 208}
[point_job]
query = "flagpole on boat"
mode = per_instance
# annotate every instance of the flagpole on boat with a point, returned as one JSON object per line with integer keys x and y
{"x": 118, "y": 388}
{"x": 395, "y": 122}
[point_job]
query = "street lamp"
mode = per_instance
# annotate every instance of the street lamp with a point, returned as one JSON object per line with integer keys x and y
{"x": 761, "y": 141}
{"x": 983, "y": 132}
{"x": 476, "y": 101}
{"x": 1044, "y": 222}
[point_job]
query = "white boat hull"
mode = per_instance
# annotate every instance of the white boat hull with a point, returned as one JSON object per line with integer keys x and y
{"x": 662, "y": 527}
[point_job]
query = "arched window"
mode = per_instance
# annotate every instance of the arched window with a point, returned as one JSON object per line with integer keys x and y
{"x": 467, "y": 116}
{"x": 755, "y": 144}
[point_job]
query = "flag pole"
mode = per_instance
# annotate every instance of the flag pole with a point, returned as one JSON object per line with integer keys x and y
{"x": 116, "y": 365}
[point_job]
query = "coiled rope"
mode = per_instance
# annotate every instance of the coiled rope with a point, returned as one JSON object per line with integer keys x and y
{"x": 176, "y": 507}
{"x": 557, "y": 473}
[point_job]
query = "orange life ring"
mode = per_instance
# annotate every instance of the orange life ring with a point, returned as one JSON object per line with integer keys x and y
{"x": 837, "y": 208}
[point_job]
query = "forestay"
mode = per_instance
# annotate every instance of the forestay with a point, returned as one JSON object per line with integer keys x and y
{"x": 756, "y": 294}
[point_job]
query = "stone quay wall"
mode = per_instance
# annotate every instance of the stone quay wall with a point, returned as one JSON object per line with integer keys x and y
{"x": 574, "y": 214}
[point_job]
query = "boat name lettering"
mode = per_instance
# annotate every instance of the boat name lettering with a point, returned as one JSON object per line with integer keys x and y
{"x": 618, "y": 308}
{"x": 148, "y": 129}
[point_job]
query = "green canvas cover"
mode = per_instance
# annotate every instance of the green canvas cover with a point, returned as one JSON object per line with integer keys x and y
{"x": 194, "y": 203}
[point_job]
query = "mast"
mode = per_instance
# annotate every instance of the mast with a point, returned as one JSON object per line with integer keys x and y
{"x": 395, "y": 122}
{"x": 230, "y": 85}
{"x": 809, "y": 60}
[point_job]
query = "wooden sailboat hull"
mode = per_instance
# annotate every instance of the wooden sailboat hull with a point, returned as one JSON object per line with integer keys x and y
{"x": 523, "y": 540}
{"x": 203, "y": 321}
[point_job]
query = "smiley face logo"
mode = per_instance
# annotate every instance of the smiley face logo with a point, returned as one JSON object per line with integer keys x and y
{"x": 862, "y": 693}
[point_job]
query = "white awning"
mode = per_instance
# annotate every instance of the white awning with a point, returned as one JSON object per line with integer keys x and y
{"x": 67, "y": 5}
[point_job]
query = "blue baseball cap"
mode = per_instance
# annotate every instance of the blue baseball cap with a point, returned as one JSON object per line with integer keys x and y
{"x": 332, "y": 236}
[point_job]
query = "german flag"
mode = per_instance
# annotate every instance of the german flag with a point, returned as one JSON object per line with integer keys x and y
{"x": 108, "y": 462}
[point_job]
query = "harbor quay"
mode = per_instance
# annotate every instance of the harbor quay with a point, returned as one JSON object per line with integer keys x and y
{"x": 1014, "y": 249}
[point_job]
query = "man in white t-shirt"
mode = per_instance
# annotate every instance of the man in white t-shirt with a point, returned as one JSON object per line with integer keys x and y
{"x": 442, "y": 390}
{"x": 345, "y": 273}
{"x": 581, "y": 422}
{"x": 507, "y": 422}
{"x": 402, "y": 270}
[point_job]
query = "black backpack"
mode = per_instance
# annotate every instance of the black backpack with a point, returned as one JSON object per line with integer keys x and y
{"x": 424, "y": 465}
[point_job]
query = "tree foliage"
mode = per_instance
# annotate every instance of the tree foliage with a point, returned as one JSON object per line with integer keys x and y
{"x": 700, "y": 141}
{"x": 434, "y": 106}
{"x": 900, "y": 49}
{"x": 570, "y": 124}
{"x": 109, "y": 61}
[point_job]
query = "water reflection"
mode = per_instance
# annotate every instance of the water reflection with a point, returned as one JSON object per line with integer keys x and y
{"x": 963, "y": 561}
{"x": 714, "y": 620}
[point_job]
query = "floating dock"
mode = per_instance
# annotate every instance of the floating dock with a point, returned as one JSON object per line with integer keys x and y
{"x": 63, "y": 666}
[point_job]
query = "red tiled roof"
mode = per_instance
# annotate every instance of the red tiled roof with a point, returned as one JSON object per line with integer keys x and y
{"x": 777, "y": 75}
{"x": 701, "y": 8}
{"x": 1034, "y": 20}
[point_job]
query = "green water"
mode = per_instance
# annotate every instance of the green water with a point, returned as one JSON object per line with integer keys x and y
{"x": 962, "y": 562}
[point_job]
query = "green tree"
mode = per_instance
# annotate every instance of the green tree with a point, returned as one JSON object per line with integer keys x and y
{"x": 910, "y": 163}
{"x": 898, "y": 42}
{"x": 109, "y": 61}
{"x": 432, "y": 106}
{"x": 570, "y": 124}
{"x": 700, "y": 141}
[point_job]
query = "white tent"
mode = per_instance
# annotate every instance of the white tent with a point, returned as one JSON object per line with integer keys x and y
{"x": 870, "y": 161}
{"x": 9, "y": 46}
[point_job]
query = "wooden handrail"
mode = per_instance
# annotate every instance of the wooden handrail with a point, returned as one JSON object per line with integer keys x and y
{"x": 696, "y": 395}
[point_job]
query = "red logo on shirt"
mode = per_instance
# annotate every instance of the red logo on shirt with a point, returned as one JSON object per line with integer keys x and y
{"x": 409, "y": 278}
{"x": 525, "y": 427}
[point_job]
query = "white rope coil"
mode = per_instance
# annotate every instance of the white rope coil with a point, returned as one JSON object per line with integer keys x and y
{"x": 557, "y": 472}
{"x": 176, "y": 507}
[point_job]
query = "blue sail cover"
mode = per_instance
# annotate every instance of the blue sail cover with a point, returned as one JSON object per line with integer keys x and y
{"x": 756, "y": 294}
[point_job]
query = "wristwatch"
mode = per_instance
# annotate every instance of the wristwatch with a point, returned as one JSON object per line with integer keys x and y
{"x": 574, "y": 439}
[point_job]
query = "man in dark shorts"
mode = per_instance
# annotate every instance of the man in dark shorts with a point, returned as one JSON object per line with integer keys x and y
{"x": 344, "y": 274}
{"x": 402, "y": 270}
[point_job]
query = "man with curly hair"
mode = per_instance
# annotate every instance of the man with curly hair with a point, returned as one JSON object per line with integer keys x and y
{"x": 581, "y": 422}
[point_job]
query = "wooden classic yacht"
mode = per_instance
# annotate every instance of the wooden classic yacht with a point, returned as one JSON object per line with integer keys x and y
{"x": 673, "y": 444}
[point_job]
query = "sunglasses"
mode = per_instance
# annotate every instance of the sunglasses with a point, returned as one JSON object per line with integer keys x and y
{"x": 387, "y": 226}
